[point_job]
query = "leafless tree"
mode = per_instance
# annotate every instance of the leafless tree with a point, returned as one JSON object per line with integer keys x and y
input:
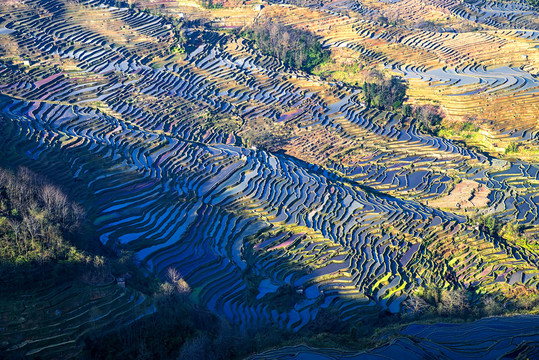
{"x": 16, "y": 228}
{"x": 55, "y": 201}
{"x": 416, "y": 304}
{"x": 177, "y": 281}
{"x": 173, "y": 275}
{"x": 491, "y": 306}
{"x": 31, "y": 224}
{"x": 453, "y": 301}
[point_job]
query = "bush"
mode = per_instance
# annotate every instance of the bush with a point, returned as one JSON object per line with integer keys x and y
{"x": 512, "y": 148}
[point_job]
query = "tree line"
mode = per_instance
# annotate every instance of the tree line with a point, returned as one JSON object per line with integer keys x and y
{"x": 41, "y": 233}
{"x": 34, "y": 218}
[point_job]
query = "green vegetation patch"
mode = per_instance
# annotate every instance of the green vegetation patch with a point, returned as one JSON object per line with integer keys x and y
{"x": 294, "y": 47}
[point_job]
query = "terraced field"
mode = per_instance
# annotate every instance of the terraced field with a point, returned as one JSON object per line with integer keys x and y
{"x": 64, "y": 314}
{"x": 449, "y": 341}
{"x": 259, "y": 182}
{"x": 484, "y": 74}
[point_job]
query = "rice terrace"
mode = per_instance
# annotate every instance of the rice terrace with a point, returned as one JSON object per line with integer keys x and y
{"x": 288, "y": 179}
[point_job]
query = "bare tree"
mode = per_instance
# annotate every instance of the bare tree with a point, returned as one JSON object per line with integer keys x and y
{"x": 173, "y": 274}
{"x": 77, "y": 214}
{"x": 55, "y": 201}
{"x": 177, "y": 281}
{"x": 47, "y": 195}
{"x": 416, "y": 304}
{"x": 491, "y": 306}
{"x": 16, "y": 228}
{"x": 31, "y": 224}
{"x": 454, "y": 301}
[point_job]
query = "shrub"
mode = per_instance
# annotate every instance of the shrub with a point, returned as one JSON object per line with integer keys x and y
{"x": 511, "y": 148}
